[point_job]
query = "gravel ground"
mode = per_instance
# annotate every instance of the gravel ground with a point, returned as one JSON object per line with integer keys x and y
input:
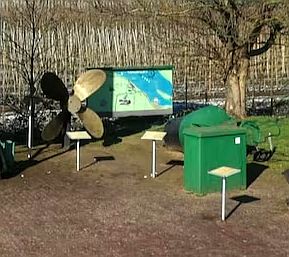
{"x": 110, "y": 209}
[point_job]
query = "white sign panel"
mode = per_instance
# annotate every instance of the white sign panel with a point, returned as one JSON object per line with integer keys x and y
{"x": 154, "y": 135}
{"x": 78, "y": 135}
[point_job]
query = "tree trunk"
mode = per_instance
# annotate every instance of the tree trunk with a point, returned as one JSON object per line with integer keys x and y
{"x": 236, "y": 85}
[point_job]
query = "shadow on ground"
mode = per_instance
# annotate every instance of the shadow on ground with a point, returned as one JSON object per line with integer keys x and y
{"x": 98, "y": 159}
{"x": 172, "y": 164}
{"x": 254, "y": 170}
{"x": 242, "y": 199}
{"x": 20, "y": 166}
{"x": 115, "y": 130}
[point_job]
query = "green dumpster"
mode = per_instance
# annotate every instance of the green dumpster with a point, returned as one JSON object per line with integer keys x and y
{"x": 208, "y": 148}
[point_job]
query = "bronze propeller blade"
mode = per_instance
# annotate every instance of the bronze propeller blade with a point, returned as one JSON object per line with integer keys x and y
{"x": 88, "y": 83}
{"x": 53, "y": 129}
{"x": 92, "y": 122}
{"x": 53, "y": 87}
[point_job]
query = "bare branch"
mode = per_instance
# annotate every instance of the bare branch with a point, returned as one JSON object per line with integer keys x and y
{"x": 274, "y": 30}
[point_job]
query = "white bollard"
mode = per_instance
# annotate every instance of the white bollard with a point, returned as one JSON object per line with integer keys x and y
{"x": 223, "y": 198}
{"x": 77, "y": 155}
{"x": 154, "y": 161}
{"x": 30, "y": 132}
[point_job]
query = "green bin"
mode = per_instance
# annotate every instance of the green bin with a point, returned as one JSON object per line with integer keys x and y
{"x": 8, "y": 149}
{"x": 208, "y": 148}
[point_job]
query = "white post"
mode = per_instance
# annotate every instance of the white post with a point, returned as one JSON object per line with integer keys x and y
{"x": 29, "y": 155}
{"x": 153, "y": 174}
{"x": 223, "y": 198}
{"x": 270, "y": 141}
{"x": 77, "y": 155}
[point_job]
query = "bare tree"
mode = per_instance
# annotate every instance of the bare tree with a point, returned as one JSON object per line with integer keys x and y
{"x": 28, "y": 52}
{"x": 229, "y": 32}
{"x": 225, "y": 34}
{"x": 238, "y": 25}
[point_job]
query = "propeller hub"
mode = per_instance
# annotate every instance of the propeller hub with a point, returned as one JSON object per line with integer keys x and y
{"x": 74, "y": 104}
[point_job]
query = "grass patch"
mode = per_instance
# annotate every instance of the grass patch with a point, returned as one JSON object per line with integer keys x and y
{"x": 280, "y": 159}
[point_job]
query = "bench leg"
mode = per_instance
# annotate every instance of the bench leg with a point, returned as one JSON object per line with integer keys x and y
{"x": 153, "y": 174}
{"x": 77, "y": 155}
{"x": 223, "y": 198}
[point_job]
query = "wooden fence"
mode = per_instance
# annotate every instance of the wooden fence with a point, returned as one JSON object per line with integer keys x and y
{"x": 98, "y": 41}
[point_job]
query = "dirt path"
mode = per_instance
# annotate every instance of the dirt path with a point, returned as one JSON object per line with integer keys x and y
{"x": 110, "y": 209}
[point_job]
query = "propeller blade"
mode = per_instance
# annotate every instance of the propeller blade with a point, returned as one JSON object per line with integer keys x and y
{"x": 53, "y": 129}
{"x": 88, "y": 83}
{"x": 92, "y": 122}
{"x": 74, "y": 104}
{"x": 53, "y": 87}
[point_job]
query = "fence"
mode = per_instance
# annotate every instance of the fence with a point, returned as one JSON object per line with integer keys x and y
{"x": 85, "y": 40}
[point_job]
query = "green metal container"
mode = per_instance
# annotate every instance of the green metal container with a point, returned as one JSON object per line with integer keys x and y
{"x": 134, "y": 91}
{"x": 208, "y": 148}
{"x": 205, "y": 117}
{"x": 8, "y": 147}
